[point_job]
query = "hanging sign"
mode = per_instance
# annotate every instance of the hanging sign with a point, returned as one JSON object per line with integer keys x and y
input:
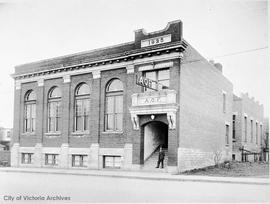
{"x": 145, "y": 82}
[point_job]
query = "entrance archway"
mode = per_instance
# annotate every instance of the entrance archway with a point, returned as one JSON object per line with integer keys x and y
{"x": 155, "y": 134}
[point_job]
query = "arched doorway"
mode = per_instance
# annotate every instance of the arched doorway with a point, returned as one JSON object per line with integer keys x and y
{"x": 155, "y": 134}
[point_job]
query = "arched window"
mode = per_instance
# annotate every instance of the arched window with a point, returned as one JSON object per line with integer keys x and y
{"x": 114, "y": 106}
{"x": 82, "y": 106}
{"x": 30, "y": 111}
{"x": 54, "y": 101}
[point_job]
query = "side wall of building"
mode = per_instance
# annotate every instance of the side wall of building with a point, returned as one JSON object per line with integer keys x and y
{"x": 202, "y": 119}
{"x": 250, "y": 134}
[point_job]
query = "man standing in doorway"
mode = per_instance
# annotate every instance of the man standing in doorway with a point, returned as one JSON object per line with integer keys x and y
{"x": 161, "y": 157}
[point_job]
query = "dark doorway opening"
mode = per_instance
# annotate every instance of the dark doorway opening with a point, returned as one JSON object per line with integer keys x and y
{"x": 155, "y": 135}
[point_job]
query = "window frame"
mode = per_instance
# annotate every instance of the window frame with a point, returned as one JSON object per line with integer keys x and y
{"x": 31, "y": 103}
{"x": 82, "y": 160}
{"x": 113, "y": 94}
{"x": 157, "y": 74}
{"x": 233, "y": 127}
{"x": 114, "y": 166}
{"x": 227, "y": 134}
{"x": 54, "y": 159}
{"x": 57, "y": 112}
{"x": 85, "y": 99}
{"x": 251, "y": 130}
{"x": 29, "y": 158}
{"x": 245, "y": 128}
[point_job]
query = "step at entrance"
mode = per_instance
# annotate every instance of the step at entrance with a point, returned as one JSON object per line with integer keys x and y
{"x": 151, "y": 163}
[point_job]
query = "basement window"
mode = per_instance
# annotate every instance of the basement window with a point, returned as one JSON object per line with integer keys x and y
{"x": 27, "y": 158}
{"x": 79, "y": 160}
{"x": 51, "y": 159}
{"x": 112, "y": 162}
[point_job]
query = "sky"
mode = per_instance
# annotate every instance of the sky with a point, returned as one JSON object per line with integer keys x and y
{"x": 231, "y": 32}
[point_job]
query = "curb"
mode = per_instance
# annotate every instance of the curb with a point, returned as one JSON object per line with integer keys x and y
{"x": 175, "y": 178}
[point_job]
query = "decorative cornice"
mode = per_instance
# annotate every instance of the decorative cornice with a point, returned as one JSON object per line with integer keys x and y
{"x": 112, "y": 59}
{"x": 100, "y": 68}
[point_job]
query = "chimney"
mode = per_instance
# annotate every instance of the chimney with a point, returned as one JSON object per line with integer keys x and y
{"x": 218, "y": 66}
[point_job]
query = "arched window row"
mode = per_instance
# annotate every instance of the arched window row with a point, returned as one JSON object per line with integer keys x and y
{"x": 113, "y": 108}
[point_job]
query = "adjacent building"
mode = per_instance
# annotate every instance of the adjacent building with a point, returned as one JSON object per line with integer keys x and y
{"x": 265, "y": 141}
{"x": 114, "y": 107}
{"x": 247, "y": 135}
{"x": 5, "y": 137}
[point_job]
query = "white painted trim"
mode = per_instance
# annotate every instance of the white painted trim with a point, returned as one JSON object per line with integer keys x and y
{"x": 41, "y": 82}
{"x": 156, "y": 66}
{"x": 130, "y": 68}
{"x": 66, "y": 78}
{"x": 17, "y": 85}
{"x": 96, "y": 74}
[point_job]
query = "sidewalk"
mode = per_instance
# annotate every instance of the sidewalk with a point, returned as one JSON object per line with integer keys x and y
{"x": 140, "y": 175}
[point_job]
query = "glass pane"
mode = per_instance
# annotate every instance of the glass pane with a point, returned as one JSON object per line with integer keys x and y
{"x": 33, "y": 112}
{"x": 109, "y": 161}
{"x": 55, "y": 93}
{"x": 164, "y": 74}
{"x": 51, "y": 124}
{"x": 56, "y": 159}
{"x": 83, "y": 89}
{"x": 117, "y": 161}
{"x": 151, "y": 75}
{"x": 52, "y": 109}
{"x": 115, "y": 85}
{"x": 86, "y": 104}
{"x": 84, "y": 160}
{"x": 33, "y": 125}
{"x": 86, "y": 123}
{"x": 30, "y": 96}
{"x": 165, "y": 83}
{"x": 119, "y": 121}
{"x": 78, "y": 107}
{"x": 28, "y": 111}
{"x": 28, "y": 125}
{"x": 57, "y": 123}
{"x": 57, "y": 109}
{"x": 110, "y": 104}
{"x": 79, "y": 123}
{"x": 110, "y": 122}
{"x": 118, "y": 104}
{"x": 77, "y": 160}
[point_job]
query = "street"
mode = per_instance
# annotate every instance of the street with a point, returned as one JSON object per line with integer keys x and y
{"x": 36, "y": 187}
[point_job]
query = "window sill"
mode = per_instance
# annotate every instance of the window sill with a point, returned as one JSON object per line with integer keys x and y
{"x": 27, "y": 134}
{"x": 52, "y": 134}
{"x": 80, "y": 133}
{"x": 113, "y": 132}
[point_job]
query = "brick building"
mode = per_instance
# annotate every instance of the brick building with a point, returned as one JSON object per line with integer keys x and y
{"x": 248, "y": 125}
{"x": 113, "y": 107}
